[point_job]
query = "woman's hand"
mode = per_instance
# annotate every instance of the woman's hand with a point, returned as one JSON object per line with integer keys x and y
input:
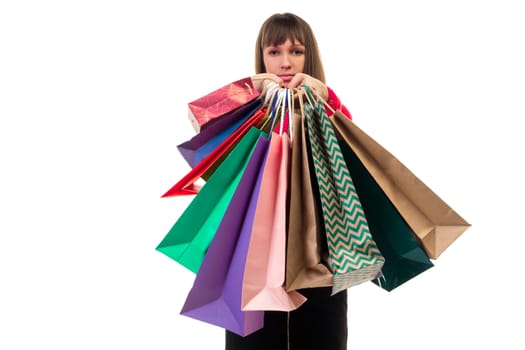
{"x": 261, "y": 81}
{"x": 304, "y": 79}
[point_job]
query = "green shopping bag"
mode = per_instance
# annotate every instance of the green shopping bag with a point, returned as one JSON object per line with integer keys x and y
{"x": 404, "y": 258}
{"x": 354, "y": 256}
{"x": 189, "y": 238}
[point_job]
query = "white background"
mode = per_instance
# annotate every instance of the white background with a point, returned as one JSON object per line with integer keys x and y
{"x": 93, "y": 102}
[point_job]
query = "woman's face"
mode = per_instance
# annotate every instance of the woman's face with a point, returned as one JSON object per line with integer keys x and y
{"x": 284, "y": 60}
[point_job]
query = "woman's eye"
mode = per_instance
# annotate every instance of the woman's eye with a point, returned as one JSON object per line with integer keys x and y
{"x": 297, "y": 52}
{"x": 273, "y": 52}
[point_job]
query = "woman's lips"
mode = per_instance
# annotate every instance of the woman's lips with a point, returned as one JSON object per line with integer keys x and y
{"x": 286, "y": 78}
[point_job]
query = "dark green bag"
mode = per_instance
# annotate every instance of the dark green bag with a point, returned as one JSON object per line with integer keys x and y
{"x": 404, "y": 258}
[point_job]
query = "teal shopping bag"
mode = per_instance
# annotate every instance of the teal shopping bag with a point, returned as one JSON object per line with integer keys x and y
{"x": 189, "y": 238}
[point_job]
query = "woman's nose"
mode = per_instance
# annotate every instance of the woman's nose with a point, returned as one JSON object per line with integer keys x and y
{"x": 285, "y": 63}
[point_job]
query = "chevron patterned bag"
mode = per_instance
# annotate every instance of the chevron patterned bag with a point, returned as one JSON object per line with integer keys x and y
{"x": 354, "y": 255}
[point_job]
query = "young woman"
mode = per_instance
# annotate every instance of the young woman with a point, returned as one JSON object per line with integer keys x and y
{"x": 287, "y": 53}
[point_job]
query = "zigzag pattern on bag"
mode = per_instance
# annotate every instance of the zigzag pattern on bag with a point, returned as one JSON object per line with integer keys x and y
{"x": 354, "y": 255}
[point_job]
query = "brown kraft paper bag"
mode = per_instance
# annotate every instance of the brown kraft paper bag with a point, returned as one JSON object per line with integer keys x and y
{"x": 434, "y": 222}
{"x": 307, "y": 251}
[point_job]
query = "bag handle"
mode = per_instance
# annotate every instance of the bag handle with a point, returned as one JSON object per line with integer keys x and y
{"x": 313, "y": 101}
{"x": 281, "y": 108}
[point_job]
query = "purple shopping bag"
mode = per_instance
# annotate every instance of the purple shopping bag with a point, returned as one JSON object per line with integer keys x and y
{"x": 216, "y": 294}
{"x": 200, "y": 145}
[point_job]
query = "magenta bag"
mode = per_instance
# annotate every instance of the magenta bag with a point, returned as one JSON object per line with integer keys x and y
{"x": 216, "y": 104}
{"x": 215, "y": 297}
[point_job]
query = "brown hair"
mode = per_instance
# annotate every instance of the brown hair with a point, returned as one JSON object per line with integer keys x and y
{"x": 282, "y": 26}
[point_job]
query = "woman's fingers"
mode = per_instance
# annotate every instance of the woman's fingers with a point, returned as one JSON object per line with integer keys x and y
{"x": 260, "y": 81}
{"x": 304, "y": 79}
{"x": 297, "y": 80}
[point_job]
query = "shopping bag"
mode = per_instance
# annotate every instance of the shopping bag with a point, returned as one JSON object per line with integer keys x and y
{"x": 404, "y": 258}
{"x": 203, "y": 143}
{"x": 354, "y": 256}
{"x": 433, "y": 221}
{"x": 215, "y": 296}
{"x": 205, "y": 168}
{"x": 264, "y": 274}
{"x": 307, "y": 262}
{"x": 204, "y": 110}
{"x": 189, "y": 238}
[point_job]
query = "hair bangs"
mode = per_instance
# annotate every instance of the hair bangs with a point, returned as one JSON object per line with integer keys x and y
{"x": 282, "y": 30}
